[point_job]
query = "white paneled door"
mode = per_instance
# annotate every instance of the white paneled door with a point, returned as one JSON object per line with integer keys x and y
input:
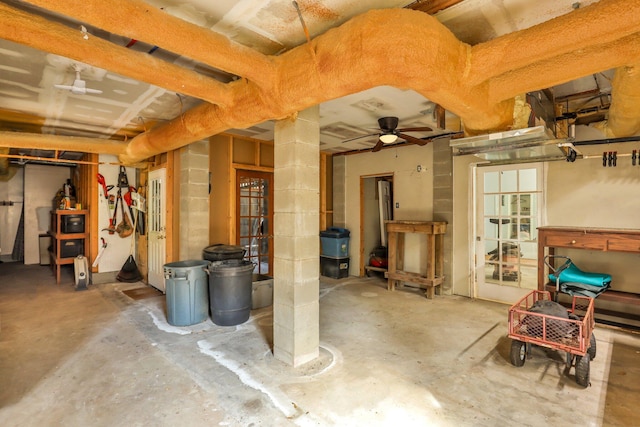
{"x": 157, "y": 227}
{"x": 509, "y": 206}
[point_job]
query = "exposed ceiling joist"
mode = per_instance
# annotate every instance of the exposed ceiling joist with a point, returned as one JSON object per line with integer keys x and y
{"x": 67, "y": 143}
{"x": 477, "y": 83}
{"x": 169, "y": 32}
{"x": 31, "y": 30}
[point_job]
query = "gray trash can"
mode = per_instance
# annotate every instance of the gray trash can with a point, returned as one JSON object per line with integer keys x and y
{"x": 230, "y": 291}
{"x": 186, "y": 290}
{"x": 262, "y": 291}
{"x": 220, "y": 252}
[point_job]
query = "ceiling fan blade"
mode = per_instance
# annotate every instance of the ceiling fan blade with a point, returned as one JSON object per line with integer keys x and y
{"x": 378, "y": 146}
{"x": 413, "y": 140}
{"x": 422, "y": 129}
{"x": 67, "y": 87}
{"x": 359, "y": 137}
{"x": 89, "y": 90}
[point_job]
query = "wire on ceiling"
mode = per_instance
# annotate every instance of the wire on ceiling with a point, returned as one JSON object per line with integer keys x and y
{"x": 304, "y": 26}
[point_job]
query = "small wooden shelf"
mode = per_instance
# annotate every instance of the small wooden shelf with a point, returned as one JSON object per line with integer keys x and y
{"x": 58, "y": 238}
{"x": 369, "y": 268}
{"x": 435, "y": 264}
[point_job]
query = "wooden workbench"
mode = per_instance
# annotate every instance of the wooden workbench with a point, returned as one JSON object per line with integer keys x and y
{"x": 588, "y": 238}
{"x": 434, "y": 231}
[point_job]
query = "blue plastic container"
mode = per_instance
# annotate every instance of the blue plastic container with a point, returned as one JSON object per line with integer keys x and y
{"x": 335, "y": 242}
{"x": 186, "y": 285}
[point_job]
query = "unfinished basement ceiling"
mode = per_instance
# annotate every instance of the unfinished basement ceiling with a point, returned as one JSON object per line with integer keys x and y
{"x": 127, "y": 106}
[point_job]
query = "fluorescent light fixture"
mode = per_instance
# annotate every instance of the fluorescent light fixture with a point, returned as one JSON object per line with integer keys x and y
{"x": 388, "y": 138}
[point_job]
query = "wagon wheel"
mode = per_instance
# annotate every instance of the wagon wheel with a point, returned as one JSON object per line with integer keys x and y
{"x": 592, "y": 347}
{"x": 582, "y": 370}
{"x": 518, "y": 352}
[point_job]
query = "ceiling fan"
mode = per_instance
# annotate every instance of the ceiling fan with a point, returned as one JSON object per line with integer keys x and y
{"x": 79, "y": 86}
{"x": 389, "y": 133}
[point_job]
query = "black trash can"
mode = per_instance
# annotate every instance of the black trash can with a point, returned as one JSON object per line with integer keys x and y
{"x": 221, "y": 252}
{"x": 230, "y": 289}
{"x": 186, "y": 289}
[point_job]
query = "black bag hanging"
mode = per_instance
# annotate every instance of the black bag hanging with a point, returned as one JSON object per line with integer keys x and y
{"x": 123, "y": 182}
{"x": 129, "y": 271}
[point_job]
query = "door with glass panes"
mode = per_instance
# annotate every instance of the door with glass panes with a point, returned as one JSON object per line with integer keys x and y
{"x": 254, "y": 207}
{"x": 508, "y": 212}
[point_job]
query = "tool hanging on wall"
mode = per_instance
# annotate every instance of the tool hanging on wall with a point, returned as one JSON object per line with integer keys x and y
{"x": 139, "y": 204}
{"x": 105, "y": 188}
{"x": 123, "y": 182}
{"x": 128, "y": 200}
{"x": 112, "y": 204}
{"x": 124, "y": 228}
{"x": 129, "y": 271}
{"x": 100, "y": 253}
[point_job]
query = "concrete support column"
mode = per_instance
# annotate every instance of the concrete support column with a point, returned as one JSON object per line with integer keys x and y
{"x": 296, "y": 331}
{"x": 194, "y": 200}
{"x": 443, "y": 203}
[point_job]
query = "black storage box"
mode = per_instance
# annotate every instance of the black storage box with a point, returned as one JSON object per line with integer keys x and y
{"x": 336, "y": 268}
{"x": 71, "y": 248}
{"x": 72, "y": 224}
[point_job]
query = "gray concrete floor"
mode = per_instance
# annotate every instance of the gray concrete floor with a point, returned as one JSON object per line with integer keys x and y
{"x": 101, "y": 358}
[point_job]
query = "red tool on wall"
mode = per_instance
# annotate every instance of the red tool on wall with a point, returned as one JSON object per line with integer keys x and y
{"x": 105, "y": 188}
{"x": 112, "y": 203}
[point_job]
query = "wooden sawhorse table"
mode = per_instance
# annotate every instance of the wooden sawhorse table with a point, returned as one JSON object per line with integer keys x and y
{"x": 435, "y": 264}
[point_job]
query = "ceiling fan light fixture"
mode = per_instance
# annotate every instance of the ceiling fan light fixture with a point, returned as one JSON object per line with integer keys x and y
{"x": 388, "y": 138}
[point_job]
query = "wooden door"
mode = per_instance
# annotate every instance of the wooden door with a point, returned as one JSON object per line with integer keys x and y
{"x": 254, "y": 225}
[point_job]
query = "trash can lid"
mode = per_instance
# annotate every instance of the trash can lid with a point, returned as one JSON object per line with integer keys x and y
{"x": 230, "y": 265}
{"x": 335, "y": 232}
{"x": 223, "y": 249}
{"x": 191, "y": 263}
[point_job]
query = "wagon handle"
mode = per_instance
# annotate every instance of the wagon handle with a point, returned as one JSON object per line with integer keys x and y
{"x": 557, "y": 271}
{"x": 560, "y": 269}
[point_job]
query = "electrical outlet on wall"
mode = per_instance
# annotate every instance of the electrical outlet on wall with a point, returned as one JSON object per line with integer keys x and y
{"x": 397, "y": 205}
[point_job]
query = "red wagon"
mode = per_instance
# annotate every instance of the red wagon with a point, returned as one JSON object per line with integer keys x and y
{"x": 573, "y": 335}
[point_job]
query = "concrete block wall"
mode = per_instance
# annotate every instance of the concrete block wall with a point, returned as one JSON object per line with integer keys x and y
{"x": 194, "y": 200}
{"x": 443, "y": 202}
